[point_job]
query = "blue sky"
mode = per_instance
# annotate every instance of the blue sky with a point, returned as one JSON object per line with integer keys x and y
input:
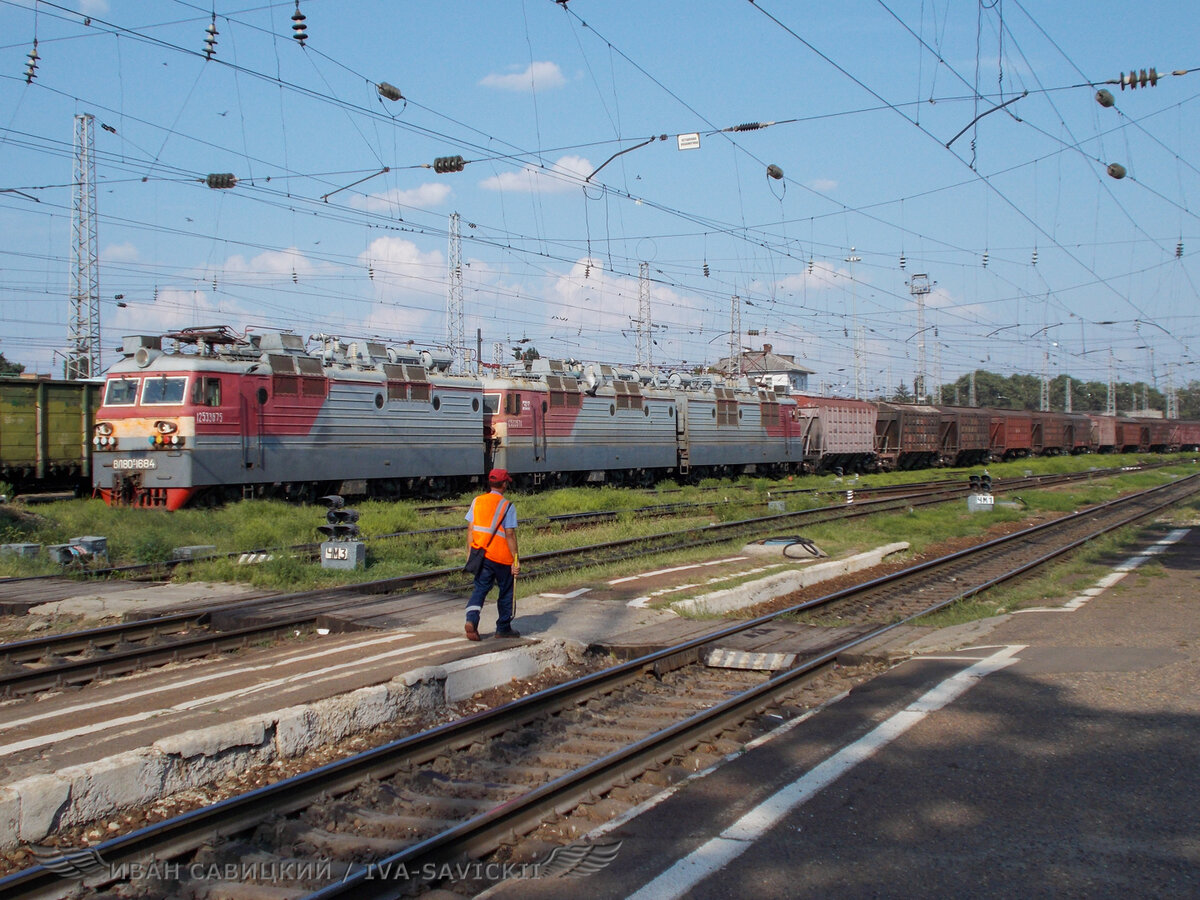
{"x": 895, "y": 157}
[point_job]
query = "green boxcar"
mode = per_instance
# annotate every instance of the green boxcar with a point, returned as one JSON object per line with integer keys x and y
{"x": 46, "y": 432}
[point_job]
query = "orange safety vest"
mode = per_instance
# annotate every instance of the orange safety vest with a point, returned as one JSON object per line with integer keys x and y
{"x": 487, "y": 508}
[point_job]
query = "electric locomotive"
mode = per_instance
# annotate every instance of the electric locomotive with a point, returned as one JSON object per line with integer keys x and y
{"x": 218, "y": 416}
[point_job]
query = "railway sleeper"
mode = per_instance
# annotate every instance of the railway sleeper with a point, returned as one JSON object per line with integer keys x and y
{"x": 340, "y": 845}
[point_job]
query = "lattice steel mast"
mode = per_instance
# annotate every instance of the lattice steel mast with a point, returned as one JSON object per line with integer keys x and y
{"x": 645, "y": 339}
{"x": 83, "y": 334}
{"x": 455, "y": 327}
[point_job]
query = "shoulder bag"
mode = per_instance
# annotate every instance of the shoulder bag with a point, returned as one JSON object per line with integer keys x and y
{"x": 477, "y": 555}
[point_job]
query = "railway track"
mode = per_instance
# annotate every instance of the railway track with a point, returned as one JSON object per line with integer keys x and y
{"x": 459, "y": 791}
{"x": 853, "y": 486}
{"x": 52, "y": 662}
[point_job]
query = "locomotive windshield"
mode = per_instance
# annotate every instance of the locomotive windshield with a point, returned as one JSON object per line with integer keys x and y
{"x": 164, "y": 390}
{"x": 121, "y": 392}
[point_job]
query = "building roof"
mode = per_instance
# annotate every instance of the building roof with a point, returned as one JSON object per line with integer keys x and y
{"x": 765, "y": 362}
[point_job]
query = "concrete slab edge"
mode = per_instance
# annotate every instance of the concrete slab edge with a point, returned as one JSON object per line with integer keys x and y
{"x": 765, "y": 589}
{"x": 35, "y": 807}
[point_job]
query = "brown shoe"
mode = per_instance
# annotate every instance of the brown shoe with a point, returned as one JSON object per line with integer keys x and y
{"x": 472, "y": 632}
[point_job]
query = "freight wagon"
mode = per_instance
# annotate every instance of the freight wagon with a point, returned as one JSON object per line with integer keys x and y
{"x": 46, "y": 432}
{"x": 215, "y": 415}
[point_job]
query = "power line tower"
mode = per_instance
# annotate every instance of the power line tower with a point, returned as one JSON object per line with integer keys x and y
{"x": 1110, "y": 404}
{"x": 920, "y": 287}
{"x": 455, "y": 327}
{"x": 645, "y": 340}
{"x": 1172, "y": 396}
{"x": 1045, "y": 398}
{"x": 857, "y": 342}
{"x": 937, "y": 370}
{"x": 735, "y": 335}
{"x": 83, "y": 330}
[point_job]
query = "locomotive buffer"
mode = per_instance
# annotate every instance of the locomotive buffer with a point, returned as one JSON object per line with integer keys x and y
{"x": 343, "y": 548}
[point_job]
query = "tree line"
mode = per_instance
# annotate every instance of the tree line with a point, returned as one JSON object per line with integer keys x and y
{"x": 1025, "y": 392}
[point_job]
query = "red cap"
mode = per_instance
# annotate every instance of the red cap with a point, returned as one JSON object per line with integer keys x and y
{"x": 498, "y": 476}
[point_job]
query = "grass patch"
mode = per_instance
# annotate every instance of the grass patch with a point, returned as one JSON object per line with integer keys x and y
{"x": 145, "y": 536}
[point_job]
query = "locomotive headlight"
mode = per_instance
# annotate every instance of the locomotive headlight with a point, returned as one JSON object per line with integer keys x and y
{"x": 104, "y": 428}
{"x": 166, "y": 427}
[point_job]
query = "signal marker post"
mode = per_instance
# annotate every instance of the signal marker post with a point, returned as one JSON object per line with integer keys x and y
{"x": 343, "y": 549}
{"x": 981, "y": 500}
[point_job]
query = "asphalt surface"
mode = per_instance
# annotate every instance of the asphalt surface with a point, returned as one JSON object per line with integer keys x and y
{"x": 1059, "y": 756}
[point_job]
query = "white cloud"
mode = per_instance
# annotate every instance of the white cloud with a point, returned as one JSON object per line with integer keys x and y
{"x": 539, "y": 76}
{"x": 125, "y": 252}
{"x": 824, "y": 185}
{"x": 564, "y": 175}
{"x": 426, "y": 196}
{"x": 269, "y": 266}
{"x": 400, "y": 271}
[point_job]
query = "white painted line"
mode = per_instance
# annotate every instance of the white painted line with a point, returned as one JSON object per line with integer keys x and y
{"x": 644, "y": 601}
{"x": 714, "y": 562}
{"x": 1118, "y": 573}
{"x": 570, "y": 596}
{"x": 718, "y": 852}
{"x": 666, "y": 793}
{"x": 186, "y": 705}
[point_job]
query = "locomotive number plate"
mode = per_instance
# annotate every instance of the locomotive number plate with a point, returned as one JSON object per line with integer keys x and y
{"x": 135, "y": 464}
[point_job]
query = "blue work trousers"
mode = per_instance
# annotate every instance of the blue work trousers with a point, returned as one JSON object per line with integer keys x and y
{"x": 499, "y": 574}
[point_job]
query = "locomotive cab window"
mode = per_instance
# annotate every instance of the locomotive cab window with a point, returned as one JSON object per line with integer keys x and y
{"x": 207, "y": 392}
{"x": 491, "y": 403}
{"x": 163, "y": 390}
{"x": 120, "y": 392}
{"x": 512, "y": 404}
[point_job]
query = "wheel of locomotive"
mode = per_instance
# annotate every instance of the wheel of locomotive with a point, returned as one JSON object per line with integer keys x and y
{"x": 646, "y": 478}
{"x": 437, "y": 488}
{"x": 299, "y": 492}
{"x": 207, "y": 498}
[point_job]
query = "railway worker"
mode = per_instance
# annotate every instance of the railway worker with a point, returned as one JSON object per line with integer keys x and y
{"x": 492, "y": 523}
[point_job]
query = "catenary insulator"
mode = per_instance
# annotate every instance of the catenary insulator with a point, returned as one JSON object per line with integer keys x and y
{"x": 1179, "y": 250}
{"x": 31, "y": 68}
{"x": 1033, "y": 260}
{"x": 775, "y": 172}
{"x": 221, "y": 180}
{"x": 985, "y": 259}
{"x": 444, "y": 164}
{"x": 210, "y": 39}
{"x": 1116, "y": 170}
{"x": 706, "y": 270}
{"x": 903, "y": 261}
{"x": 389, "y": 91}
{"x": 299, "y": 29}
{"x": 1105, "y": 98}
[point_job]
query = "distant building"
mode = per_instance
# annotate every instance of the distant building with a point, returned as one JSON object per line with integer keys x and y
{"x": 768, "y": 368}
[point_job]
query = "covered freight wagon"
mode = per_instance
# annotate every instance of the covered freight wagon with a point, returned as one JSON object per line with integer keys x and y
{"x": 839, "y": 433}
{"x": 906, "y": 436}
{"x": 46, "y": 432}
{"x": 964, "y": 435}
{"x": 1011, "y": 434}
